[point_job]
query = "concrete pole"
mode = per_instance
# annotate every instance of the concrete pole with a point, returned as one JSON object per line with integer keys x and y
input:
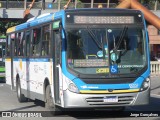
{"x": 59, "y": 4}
{"x": 25, "y": 4}
{"x": 155, "y": 6}
{"x": 75, "y": 4}
{"x": 108, "y": 1}
{"x": 92, "y": 1}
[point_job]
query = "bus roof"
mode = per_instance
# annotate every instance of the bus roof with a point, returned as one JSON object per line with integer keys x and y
{"x": 47, "y": 17}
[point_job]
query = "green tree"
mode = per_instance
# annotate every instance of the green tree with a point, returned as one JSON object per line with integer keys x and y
{"x": 150, "y": 4}
{"x": 79, "y": 3}
{"x": 5, "y": 25}
{"x": 149, "y": 1}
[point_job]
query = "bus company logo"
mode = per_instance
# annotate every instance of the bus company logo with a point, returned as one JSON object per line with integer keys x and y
{"x": 134, "y": 85}
{"x": 21, "y": 114}
{"x": 84, "y": 86}
{"x": 90, "y": 87}
{"x": 100, "y": 53}
{"x": 6, "y": 114}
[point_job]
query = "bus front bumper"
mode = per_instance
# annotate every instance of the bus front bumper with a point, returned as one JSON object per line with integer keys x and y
{"x": 74, "y": 100}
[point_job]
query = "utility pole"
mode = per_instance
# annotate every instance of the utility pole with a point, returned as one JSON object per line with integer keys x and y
{"x": 75, "y": 4}
{"x": 59, "y": 4}
{"x": 108, "y": 1}
{"x": 6, "y": 4}
{"x": 92, "y": 1}
{"x": 25, "y": 4}
{"x": 155, "y": 5}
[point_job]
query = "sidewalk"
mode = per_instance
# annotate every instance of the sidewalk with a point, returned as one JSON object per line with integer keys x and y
{"x": 155, "y": 86}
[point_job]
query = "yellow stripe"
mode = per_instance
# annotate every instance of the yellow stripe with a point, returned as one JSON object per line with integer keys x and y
{"x": 106, "y": 91}
{"x": 8, "y": 59}
{"x": 11, "y": 29}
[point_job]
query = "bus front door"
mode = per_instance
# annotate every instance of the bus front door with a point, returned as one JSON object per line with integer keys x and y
{"x": 57, "y": 64}
{"x": 12, "y": 70}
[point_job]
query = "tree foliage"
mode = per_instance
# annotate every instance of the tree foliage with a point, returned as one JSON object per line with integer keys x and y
{"x": 5, "y": 25}
{"x": 79, "y": 3}
{"x": 148, "y": 1}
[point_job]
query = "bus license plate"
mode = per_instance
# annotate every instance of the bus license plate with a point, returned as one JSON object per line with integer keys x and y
{"x": 111, "y": 99}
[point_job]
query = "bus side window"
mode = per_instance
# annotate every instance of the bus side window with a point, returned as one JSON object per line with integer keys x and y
{"x": 36, "y": 41}
{"x": 8, "y": 46}
{"x": 20, "y": 43}
{"x": 27, "y": 43}
{"x": 46, "y": 32}
{"x": 14, "y": 47}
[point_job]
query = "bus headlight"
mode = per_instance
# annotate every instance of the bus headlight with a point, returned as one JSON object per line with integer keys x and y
{"x": 146, "y": 84}
{"x": 71, "y": 86}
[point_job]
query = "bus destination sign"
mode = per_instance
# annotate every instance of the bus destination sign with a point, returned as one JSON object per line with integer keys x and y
{"x": 104, "y": 19}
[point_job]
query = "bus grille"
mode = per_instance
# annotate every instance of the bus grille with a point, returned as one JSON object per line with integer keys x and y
{"x": 99, "y": 101}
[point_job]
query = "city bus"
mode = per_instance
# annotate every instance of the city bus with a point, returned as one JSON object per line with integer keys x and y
{"x": 2, "y": 57}
{"x": 81, "y": 58}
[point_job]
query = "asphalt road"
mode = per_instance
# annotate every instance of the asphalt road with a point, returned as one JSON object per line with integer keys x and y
{"x": 9, "y": 102}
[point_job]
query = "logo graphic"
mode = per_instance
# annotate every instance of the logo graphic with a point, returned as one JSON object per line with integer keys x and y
{"x": 114, "y": 57}
{"x": 100, "y": 53}
{"x": 6, "y": 114}
{"x": 114, "y": 69}
{"x": 84, "y": 86}
{"x": 134, "y": 85}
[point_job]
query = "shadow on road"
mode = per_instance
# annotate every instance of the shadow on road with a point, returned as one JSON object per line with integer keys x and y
{"x": 22, "y": 108}
{"x": 97, "y": 114}
{"x": 36, "y": 104}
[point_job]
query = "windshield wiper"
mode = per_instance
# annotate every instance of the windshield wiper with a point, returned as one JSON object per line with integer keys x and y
{"x": 123, "y": 33}
{"x": 93, "y": 36}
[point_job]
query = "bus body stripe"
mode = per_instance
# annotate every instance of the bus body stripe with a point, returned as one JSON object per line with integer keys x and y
{"x": 12, "y": 29}
{"x": 106, "y": 91}
{"x": 8, "y": 59}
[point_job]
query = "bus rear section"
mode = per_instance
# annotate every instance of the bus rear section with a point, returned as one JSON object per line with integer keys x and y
{"x": 82, "y": 58}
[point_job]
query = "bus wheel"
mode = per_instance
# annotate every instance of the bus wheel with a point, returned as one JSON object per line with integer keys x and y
{"x": 49, "y": 103}
{"x": 20, "y": 96}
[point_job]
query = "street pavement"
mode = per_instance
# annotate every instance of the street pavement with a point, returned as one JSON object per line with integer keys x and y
{"x": 9, "y": 102}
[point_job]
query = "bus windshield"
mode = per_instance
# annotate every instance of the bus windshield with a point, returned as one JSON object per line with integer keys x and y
{"x": 106, "y": 50}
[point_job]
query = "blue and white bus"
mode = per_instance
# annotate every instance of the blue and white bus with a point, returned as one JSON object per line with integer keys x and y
{"x": 81, "y": 58}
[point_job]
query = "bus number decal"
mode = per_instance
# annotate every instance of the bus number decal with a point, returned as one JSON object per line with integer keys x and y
{"x": 102, "y": 70}
{"x": 134, "y": 85}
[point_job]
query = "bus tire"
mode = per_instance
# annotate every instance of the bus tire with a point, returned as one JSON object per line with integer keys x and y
{"x": 20, "y": 96}
{"x": 49, "y": 103}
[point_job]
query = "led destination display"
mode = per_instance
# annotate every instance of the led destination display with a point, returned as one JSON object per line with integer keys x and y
{"x": 90, "y": 63}
{"x": 104, "y": 19}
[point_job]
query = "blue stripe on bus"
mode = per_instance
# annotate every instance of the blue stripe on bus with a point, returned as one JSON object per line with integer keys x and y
{"x": 81, "y": 85}
{"x": 41, "y": 20}
{"x": 147, "y": 44}
{"x": 37, "y": 21}
{"x": 39, "y": 60}
{"x": 32, "y": 59}
{"x": 22, "y": 26}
